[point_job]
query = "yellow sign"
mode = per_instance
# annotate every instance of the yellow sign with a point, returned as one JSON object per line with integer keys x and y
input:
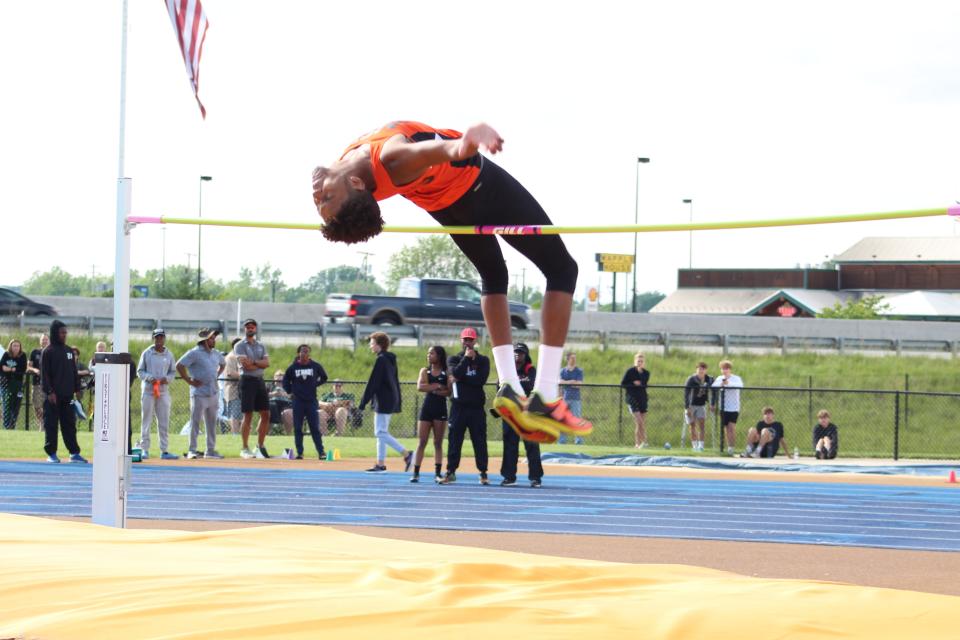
{"x": 616, "y": 262}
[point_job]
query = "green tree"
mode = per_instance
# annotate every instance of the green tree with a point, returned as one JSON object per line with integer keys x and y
{"x": 261, "y": 284}
{"x": 528, "y": 295}
{"x": 178, "y": 282}
{"x": 648, "y": 300}
{"x": 339, "y": 279}
{"x": 435, "y": 256}
{"x": 866, "y": 308}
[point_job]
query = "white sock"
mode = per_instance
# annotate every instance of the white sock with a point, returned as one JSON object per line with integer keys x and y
{"x": 548, "y": 372}
{"x": 507, "y": 367}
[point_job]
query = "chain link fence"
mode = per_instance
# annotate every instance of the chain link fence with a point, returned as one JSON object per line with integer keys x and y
{"x": 871, "y": 423}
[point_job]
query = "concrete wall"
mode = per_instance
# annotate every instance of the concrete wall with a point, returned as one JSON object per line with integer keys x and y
{"x": 625, "y": 322}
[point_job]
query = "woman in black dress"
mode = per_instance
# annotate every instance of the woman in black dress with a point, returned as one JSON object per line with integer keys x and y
{"x": 433, "y": 382}
{"x": 635, "y": 381}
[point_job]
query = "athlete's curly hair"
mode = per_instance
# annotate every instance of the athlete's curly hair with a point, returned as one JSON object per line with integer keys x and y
{"x": 359, "y": 219}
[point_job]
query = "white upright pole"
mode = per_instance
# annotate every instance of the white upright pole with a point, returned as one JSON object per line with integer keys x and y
{"x": 121, "y": 269}
{"x": 111, "y": 464}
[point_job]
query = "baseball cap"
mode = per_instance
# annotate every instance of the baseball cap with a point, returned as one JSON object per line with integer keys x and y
{"x": 159, "y": 332}
{"x": 469, "y": 332}
{"x": 521, "y": 347}
{"x": 250, "y": 321}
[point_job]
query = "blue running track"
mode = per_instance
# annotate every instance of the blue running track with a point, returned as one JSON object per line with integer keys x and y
{"x": 892, "y": 517}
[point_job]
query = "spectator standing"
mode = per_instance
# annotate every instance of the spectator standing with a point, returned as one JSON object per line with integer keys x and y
{"x": 231, "y": 388}
{"x": 253, "y": 359}
{"x": 729, "y": 386}
{"x": 37, "y": 396}
{"x": 571, "y": 377}
{"x": 301, "y": 380}
{"x": 511, "y": 441}
{"x": 13, "y": 367}
{"x": 156, "y": 370}
{"x": 383, "y": 392}
{"x": 337, "y": 405}
{"x": 765, "y": 439}
{"x": 200, "y": 367}
{"x": 826, "y": 441}
{"x": 468, "y": 371}
{"x": 58, "y": 375}
{"x": 696, "y": 393}
{"x": 434, "y": 382}
{"x": 635, "y": 381}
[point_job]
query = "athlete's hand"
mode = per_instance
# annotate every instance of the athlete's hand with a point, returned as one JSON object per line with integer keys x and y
{"x": 479, "y": 136}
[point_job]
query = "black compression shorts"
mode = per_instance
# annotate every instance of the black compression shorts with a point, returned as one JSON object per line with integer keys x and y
{"x": 496, "y": 198}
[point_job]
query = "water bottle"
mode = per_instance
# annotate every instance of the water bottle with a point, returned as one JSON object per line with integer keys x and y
{"x": 796, "y": 453}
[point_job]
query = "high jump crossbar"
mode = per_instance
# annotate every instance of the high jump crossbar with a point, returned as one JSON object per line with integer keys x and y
{"x": 953, "y": 210}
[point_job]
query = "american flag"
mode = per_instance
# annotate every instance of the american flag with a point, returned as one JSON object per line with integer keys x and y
{"x": 190, "y": 23}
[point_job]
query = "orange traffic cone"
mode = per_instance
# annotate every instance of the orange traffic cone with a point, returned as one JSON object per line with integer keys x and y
{"x": 953, "y": 477}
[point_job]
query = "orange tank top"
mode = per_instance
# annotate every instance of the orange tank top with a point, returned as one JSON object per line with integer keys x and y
{"x": 440, "y": 185}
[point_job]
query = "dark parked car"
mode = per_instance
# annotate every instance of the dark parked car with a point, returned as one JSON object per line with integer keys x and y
{"x": 12, "y": 303}
{"x": 426, "y": 301}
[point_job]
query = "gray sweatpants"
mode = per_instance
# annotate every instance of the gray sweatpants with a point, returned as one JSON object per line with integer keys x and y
{"x": 205, "y": 406}
{"x": 150, "y": 407}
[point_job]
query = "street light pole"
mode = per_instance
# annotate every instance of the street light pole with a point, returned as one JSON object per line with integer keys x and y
{"x": 200, "y": 228}
{"x": 636, "y": 219}
{"x": 690, "y": 239}
{"x": 163, "y": 268}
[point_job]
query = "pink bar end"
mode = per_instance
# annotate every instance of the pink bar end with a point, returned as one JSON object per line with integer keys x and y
{"x": 144, "y": 220}
{"x": 953, "y": 210}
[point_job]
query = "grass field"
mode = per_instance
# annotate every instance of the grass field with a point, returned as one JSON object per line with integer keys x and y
{"x": 29, "y": 444}
{"x": 607, "y": 367}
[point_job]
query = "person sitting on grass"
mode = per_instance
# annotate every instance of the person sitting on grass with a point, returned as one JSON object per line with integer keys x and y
{"x": 765, "y": 439}
{"x": 825, "y": 442}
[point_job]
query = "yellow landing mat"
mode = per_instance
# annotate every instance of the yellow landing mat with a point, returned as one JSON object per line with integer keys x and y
{"x": 77, "y": 580}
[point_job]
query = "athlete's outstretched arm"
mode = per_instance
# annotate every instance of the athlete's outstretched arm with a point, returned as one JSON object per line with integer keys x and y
{"x": 405, "y": 161}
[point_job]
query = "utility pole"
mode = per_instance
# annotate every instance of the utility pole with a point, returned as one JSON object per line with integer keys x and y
{"x": 200, "y": 228}
{"x": 636, "y": 210}
{"x": 365, "y": 264}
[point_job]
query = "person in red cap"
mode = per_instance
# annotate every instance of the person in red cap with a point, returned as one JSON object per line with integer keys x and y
{"x": 469, "y": 371}
{"x": 442, "y": 171}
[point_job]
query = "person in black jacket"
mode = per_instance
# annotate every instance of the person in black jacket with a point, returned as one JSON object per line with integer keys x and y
{"x": 13, "y": 365}
{"x": 469, "y": 371}
{"x": 301, "y": 381}
{"x": 58, "y": 375}
{"x": 511, "y": 441}
{"x": 383, "y": 391}
{"x": 635, "y": 381}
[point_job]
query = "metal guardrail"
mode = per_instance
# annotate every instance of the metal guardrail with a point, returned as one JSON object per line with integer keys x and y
{"x": 428, "y": 334}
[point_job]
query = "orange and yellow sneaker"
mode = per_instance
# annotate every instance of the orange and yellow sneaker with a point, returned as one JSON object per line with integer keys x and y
{"x": 508, "y": 405}
{"x": 553, "y": 417}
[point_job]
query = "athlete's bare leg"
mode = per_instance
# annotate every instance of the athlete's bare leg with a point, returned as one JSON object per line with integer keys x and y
{"x": 424, "y": 429}
{"x": 496, "y": 315}
{"x": 555, "y": 317}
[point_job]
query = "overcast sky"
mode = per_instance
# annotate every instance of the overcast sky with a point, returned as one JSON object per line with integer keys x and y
{"x": 752, "y": 109}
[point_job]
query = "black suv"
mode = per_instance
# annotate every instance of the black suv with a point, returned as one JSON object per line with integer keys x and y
{"x": 12, "y": 303}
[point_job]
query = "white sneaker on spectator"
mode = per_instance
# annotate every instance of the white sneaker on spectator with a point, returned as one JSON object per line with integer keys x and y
{"x": 192, "y": 455}
{"x": 246, "y": 454}
{"x": 729, "y": 451}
